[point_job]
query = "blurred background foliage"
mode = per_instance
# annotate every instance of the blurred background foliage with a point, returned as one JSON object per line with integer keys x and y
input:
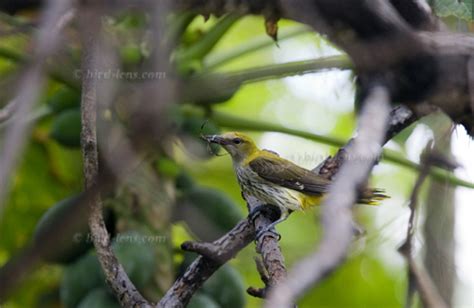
{"x": 208, "y": 200}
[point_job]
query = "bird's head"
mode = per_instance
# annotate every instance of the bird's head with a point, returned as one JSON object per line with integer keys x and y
{"x": 238, "y": 145}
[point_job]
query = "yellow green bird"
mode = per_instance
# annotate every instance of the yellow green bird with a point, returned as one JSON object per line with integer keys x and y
{"x": 275, "y": 180}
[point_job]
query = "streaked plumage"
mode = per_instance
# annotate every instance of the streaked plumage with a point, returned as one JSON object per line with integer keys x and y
{"x": 275, "y": 180}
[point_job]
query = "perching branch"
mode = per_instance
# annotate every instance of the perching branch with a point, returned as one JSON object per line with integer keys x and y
{"x": 203, "y": 267}
{"x": 336, "y": 210}
{"x": 273, "y": 271}
{"x": 358, "y": 51}
{"x": 214, "y": 254}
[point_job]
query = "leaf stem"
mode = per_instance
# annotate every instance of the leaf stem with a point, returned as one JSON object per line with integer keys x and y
{"x": 213, "y": 61}
{"x": 280, "y": 70}
{"x": 200, "y": 49}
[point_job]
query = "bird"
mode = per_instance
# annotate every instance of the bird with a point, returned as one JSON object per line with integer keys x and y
{"x": 276, "y": 181}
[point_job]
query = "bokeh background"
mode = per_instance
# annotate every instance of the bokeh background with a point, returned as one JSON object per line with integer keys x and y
{"x": 320, "y": 103}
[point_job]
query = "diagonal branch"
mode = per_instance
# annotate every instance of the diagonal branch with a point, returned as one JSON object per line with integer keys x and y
{"x": 203, "y": 267}
{"x": 29, "y": 88}
{"x": 336, "y": 210}
{"x": 417, "y": 13}
{"x": 7, "y": 111}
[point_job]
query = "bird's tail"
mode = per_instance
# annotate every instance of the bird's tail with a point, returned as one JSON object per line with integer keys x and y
{"x": 372, "y": 196}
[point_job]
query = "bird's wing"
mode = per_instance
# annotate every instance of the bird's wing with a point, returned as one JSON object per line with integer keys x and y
{"x": 287, "y": 174}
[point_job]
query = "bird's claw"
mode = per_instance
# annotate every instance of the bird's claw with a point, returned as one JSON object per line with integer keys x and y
{"x": 269, "y": 229}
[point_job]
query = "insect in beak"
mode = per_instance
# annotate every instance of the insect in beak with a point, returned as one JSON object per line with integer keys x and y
{"x": 212, "y": 139}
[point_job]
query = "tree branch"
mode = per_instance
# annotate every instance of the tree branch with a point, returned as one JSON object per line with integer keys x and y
{"x": 418, "y": 279}
{"x": 362, "y": 153}
{"x": 417, "y": 13}
{"x": 116, "y": 277}
{"x": 203, "y": 267}
{"x": 260, "y": 292}
{"x": 269, "y": 248}
{"x": 29, "y": 88}
{"x": 7, "y": 111}
{"x": 375, "y": 35}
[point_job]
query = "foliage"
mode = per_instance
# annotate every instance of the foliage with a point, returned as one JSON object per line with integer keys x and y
{"x": 205, "y": 186}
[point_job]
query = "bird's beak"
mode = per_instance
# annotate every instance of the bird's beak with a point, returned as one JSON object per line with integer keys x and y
{"x": 215, "y": 139}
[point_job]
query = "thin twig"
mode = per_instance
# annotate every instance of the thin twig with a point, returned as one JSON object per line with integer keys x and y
{"x": 262, "y": 271}
{"x": 336, "y": 210}
{"x": 7, "y": 111}
{"x": 418, "y": 278}
{"x": 203, "y": 268}
{"x": 406, "y": 248}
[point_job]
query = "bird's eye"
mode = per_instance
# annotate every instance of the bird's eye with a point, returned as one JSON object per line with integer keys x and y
{"x": 237, "y": 141}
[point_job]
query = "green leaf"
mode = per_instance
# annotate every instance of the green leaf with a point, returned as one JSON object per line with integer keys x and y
{"x": 200, "y": 49}
{"x": 66, "y": 128}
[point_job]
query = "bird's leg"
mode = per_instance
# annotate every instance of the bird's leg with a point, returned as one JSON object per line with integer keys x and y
{"x": 255, "y": 211}
{"x": 271, "y": 230}
{"x": 284, "y": 216}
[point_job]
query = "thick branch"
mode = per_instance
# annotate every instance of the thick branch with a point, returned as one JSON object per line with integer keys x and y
{"x": 417, "y": 13}
{"x": 375, "y": 35}
{"x": 336, "y": 215}
{"x": 204, "y": 267}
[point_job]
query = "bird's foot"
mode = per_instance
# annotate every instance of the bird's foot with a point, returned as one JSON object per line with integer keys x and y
{"x": 254, "y": 213}
{"x": 270, "y": 229}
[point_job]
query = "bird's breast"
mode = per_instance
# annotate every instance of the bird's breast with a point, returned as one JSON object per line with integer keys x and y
{"x": 251, "y": 183}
